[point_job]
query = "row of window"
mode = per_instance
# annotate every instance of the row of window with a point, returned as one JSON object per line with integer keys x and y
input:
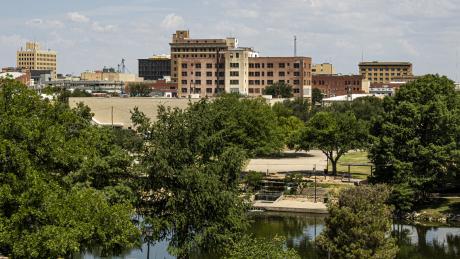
{"x": 41, "y": 59}
{"x": 383, "y": 69}
{"x": 208, "y": 74}
{"x": 270, "y": 65}
{"x": 36, "y": 54}
{"x": 198, "y": 65}
{"x": 208, "y": 82}
{"x": 195, "y": 49}
{"x": 236, "y": 82}
{"x": 386, "y": 74}
{"x": 208, "y": 90}
{"x": 259, "y": 90}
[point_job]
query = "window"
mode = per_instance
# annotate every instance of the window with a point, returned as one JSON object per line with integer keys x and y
{"x": 281, "y": 73}
{"x": 251, "y": 90}
{"x": 184, "y": 65}
{"x": 296, "y": 82}
{"x": 235, "y": 65}
{"x": 257, "y": 74}
{"x": 208, "y": 73}
{"x": 281, "y": 81}
{"x": 270, "y": 73}
{"x": 184, "y": 82}
{"x": 257, "y": 65}
{"x": 251, "y": 73}
{"x": 184, "y": 73}
{"x": 251, "y": 82}
{"x": 269, "y": 82}
{"x": 209, "y": 82}
{"x": 197, "y": 74}
{"x": 209, "y": 90}
{"x": 269, "y": 65}
{"x": 184, "y": 90}
{"x": 198, "y": 65}
{"x": 257, "y": 82}
{"x": 296, "y": 73}
{"x": 257, "y": 90}
{"x": 282, "y": 65}
{"x": 208, "y": 65}
{"x": 234, "y": 73}
{"x": 234, "y": 82}
{"x": 296, "y": 90}
{"x": 251, "y": 65}
{"x": 198, "y": 82}
{"x": 296, "y": 65}
{"x": 237, "y": 55}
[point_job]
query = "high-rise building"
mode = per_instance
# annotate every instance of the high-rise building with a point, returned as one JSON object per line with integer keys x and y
{"x": 385, "y": 72}
{"x": 323, "y": 69}
{"x": 183, "y": 49}
{"x": 206, "y": 67}
{"x": 155, "y": 68}
{"x": 33, "y": 58}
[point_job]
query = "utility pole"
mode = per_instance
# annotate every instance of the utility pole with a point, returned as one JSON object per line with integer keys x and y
{"x": 112, "y": 116}
{"x": 314, "y": 172}
{"x": 295, "y": 46}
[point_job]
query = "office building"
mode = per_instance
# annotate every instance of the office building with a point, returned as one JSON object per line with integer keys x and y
{"x": 109, "y": 74}
{"x": 155, "y": 68}
{"x": 206, "y": 67}
{"x": 337, "y": 85}
{"x": 385, "y": 72}
{"x": 33, "y": 58}
{"x": 323, "y": 69}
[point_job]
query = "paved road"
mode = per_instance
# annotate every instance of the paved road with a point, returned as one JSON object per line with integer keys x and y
{"x": 301, "y": 162}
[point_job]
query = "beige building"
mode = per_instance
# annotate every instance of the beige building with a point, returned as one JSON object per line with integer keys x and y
{"x": 385, "y": 72}
{"x": 33, "y": 58}
{"x": 109, "y": 76}
{"x": 323, "y": 69}
{"x": 183, "y": 47}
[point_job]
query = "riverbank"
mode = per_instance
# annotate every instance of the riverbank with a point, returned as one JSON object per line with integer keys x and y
{"x": 292, "y": 205}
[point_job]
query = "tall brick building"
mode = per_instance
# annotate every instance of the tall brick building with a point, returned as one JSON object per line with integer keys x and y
{"x": 207, "y": 67}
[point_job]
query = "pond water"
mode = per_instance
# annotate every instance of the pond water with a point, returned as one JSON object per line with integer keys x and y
{"x": 300, "y": 231}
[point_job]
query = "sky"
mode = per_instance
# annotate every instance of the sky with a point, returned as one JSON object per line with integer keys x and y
{"x": 91, "y": 34}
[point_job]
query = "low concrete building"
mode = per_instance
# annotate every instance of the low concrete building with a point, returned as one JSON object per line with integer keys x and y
{"x": 117, "y": 110}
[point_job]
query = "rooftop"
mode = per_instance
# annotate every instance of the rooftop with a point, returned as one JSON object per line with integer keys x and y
{"x": 383, "y": 63}
{"x": 344, "y": 98}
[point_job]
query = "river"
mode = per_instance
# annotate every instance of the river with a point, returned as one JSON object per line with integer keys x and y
{"x": 300, "y": 230}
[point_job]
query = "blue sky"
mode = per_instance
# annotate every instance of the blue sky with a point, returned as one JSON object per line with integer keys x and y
{"x": 91, "y": 34}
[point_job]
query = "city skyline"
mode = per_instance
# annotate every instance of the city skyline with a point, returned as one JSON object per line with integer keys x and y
{"x": 89, "y": 35}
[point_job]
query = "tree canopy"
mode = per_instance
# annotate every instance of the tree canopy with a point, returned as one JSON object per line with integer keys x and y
{"x": 279, "y": 89}
{"x": 63, "y": 182}
{"x": 334, "y": 134}
{"x": 359, "y": 225}
{"x": 417, "y": 140}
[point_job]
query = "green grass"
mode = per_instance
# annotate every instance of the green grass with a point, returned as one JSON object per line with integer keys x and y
{"x": 441, "y": 206}
{"x": 359, "y": 172}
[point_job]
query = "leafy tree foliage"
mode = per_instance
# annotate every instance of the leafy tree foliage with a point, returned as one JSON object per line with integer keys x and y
{"x": 334, "y": 134}
{"x": 253, "y": 248}
{"x": 191, "y": 193}
{"x": 63, "y": 183}
{"x": 316, "y": 96}
{"x": 278, "y": 89}
{"x": 367, "y": 108}
{"x": 299, "y": 107}
{"x": 139, "y": 89}
{"x": 359, "y": 225}
{"x": 417, "y": 140}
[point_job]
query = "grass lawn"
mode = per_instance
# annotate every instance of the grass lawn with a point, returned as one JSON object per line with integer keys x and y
{"x": 442, "y": 205}
{"x": 359, "y": 172}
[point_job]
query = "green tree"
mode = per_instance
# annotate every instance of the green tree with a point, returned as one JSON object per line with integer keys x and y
{"x": 278, "y": 89}
{"x": 299, "y": 107}
{"x": 334, "y": 134}
{"x": 417, "y": 139}
{"x": 139, "y": 89}
{"x": 367, "y": 108}
{"x": 359, "y": 225}
{"x": 316, "y": 96}
{"x": 253, "y": 248}
{"x": 63, "y": 183}
{"x": 191, "y": 191}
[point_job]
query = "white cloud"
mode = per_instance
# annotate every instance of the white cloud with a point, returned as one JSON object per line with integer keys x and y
{"x": 47, "y": 24}
{"x": 96, "y": 26}
{"x": 77, "y": 17}
{"x": 172, "y": 21}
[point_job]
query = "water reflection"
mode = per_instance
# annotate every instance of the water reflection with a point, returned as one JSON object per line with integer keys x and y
{"x": 300, "y": 231}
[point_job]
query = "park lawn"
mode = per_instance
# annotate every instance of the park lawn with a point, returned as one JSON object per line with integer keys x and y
{"x": 442, "y": 205}
{"x": 358, "y": 172}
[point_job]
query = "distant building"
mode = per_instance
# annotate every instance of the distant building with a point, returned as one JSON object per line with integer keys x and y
{"x": 457, "y": 86}
{"x": 40, "y": 77}
{"x": 344, "y": 98}
{"x": 157, "y": 87}
{"x": 33, "y": 58}
{"x": 156, "y": 67}
{"x": 336, "y": 85}
{"x": 385, "y": 72}
{"x": 206, "y": 67}
{"x": 323, "y": 69}
{"x": 23, "y": 77}
{"x": 382, "y": 89}
{"x": 109, "y": 75}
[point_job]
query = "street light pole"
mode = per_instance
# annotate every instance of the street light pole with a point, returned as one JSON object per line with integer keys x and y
{"x": 314, "y": 171}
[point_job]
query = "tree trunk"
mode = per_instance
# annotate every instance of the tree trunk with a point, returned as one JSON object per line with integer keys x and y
{"x": 334, "y": 167}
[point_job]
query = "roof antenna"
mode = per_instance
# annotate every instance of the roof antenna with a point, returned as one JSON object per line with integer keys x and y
{"x": 295, "y": 46}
